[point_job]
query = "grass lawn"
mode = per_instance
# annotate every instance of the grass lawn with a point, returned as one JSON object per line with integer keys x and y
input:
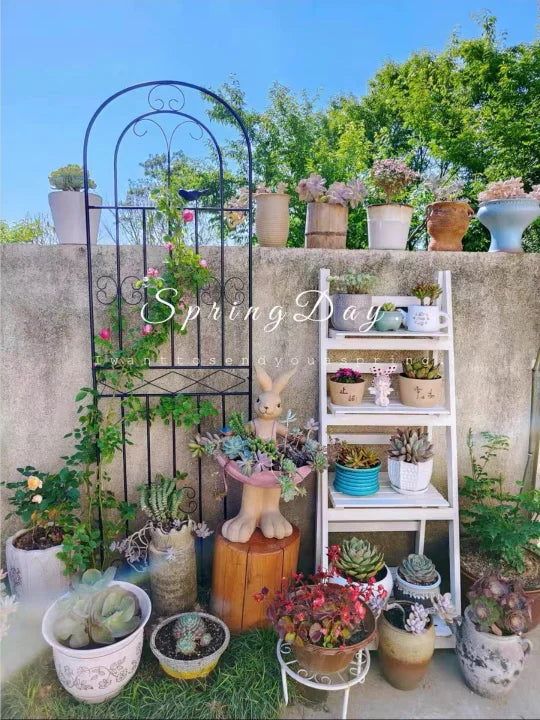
{"x": 245, "y": 684}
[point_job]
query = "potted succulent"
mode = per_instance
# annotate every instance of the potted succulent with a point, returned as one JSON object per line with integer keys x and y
{"x": 417, "y": 580}
{"x": 410, "y": 461}
{"x": 489, "y": 644}
{"x": 327, "y": 210}
{"x": 499, "y": 528}
{"x": 189, "y": 645}
{"x": 356, "y": 469}
{"x": 389, "y": 222}
{"x": 350, "y": 297}
{"x": 388, "y": 318}
{"x": 420, "y": 383}
{"x": 426, "y": 317}
{"x": 46, "y": 503}
{"x": 407, "y": 639}
{"x": 326, "y": 623}
{"x": 448, "y": 217}
{"x": 346, "y": 387}
{"x": 167, "y": 543}
{"x": 67, "y": 206}
{"x": 506, "y": 210}
{"x": 272, "y": 216}
{"x": 96, "y": 633}
{"x": 358, "y": 561}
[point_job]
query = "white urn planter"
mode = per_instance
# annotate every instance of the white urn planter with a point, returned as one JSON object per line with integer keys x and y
{"x": 35, "y": 576}
{"x": 96, "y": 675}
{"x": 272, "y": 219}
{"x": 386, "y": 582}
{"x": 506, "y": 220}
{"x": 409, "y": 478}
{"x": 388, "y": 226}
{"x": 67, "y": 208}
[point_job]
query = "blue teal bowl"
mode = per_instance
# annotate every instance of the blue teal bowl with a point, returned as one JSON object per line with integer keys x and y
{"x": 389, "y": 320}
{"x": 356, "y": 481}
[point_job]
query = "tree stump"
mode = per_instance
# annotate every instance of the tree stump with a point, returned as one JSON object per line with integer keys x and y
{"x": 242, "y": 569}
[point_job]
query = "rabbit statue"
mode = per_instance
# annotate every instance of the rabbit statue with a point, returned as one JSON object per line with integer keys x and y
{"x": 260, "y": 506}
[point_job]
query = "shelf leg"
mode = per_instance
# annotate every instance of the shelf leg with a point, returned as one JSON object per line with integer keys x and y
{"x": 420, "y": 538}
{"x": 345, "y": 705}
{"x": 284, "y": 684}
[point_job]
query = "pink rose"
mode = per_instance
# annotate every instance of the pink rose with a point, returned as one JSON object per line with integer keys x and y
{"x": 203, "y": 263}
{"x": 188, "y": 215}
{"x": 105, "y": 334}
{"x": 152, "y": 272}
{"x": 146, "y": 330}
{"x": 169, "y": 246}
{"x": 181, "y": 306}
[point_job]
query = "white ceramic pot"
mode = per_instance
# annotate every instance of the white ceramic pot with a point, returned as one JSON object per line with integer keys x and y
{"x": 96, "y": 675}
{"x": 506, "y": 220}
{"x": 387, "y": 582}
{"x": 422, "y": 594}
{"x": 35, "y": 576}
{"x": 67, "y": 208}
{"x": 409, "y": 479}
{"x": 350, "y": 312}
{"x": 425, "y": 318}
{"x": 272, "y": 219}
{"x": 388, "y": 226}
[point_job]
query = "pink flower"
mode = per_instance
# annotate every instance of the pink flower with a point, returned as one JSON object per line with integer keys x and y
{"x": 37, "y": 499}
{"x": 152, "y": 272}
{"x": 188, "y": 215}
{"x": 146, "y": 330}
{"x": 203, "y": 263}
{"x": 105, "y": 334}
{"x": 169, "y": 246}
{"x": 181, "y": 306}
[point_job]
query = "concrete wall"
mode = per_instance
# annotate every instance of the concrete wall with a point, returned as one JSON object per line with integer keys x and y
{"x": 45, "y": 354}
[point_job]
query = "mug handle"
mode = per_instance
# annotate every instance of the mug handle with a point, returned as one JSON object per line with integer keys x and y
{"x": 445, "y": 319}
{"x": 403, "y": 316}
{"x": 527, "y": 645}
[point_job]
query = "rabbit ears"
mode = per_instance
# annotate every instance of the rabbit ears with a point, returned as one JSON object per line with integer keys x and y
{"x": 277, "y": 385}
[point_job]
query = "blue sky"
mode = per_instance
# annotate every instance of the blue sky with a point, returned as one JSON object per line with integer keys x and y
{"x": 62, "y": 58}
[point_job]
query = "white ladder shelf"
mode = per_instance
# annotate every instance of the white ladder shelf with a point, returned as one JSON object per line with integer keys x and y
{"x": 387, "y": 510}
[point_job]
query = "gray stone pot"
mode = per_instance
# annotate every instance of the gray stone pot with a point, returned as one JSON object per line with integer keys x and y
{"x": 340, "y": 303}
{"x": 490, "y": 664}
{"x": 173, "y": 581}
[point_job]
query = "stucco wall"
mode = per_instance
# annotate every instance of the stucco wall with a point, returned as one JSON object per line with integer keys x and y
{"x": 45, "y": 353}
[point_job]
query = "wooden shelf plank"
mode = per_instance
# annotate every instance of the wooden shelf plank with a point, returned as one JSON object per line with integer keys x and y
{"x": 402, "y": 333}
{"x": 395, "y": 407}
{"x": 381, "y": 341}
{"x": 386, "y": 497}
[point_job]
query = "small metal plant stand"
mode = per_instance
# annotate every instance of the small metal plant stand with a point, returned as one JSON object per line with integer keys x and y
{"x": 354, "y": 674}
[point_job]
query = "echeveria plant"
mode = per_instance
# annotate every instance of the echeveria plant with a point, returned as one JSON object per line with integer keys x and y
{"x": 313, "y": 189}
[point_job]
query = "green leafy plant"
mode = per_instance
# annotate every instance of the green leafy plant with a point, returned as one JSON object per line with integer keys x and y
{"x": 352, "y": 283}
{"x": 70, "y": 177}
{"x": 411, "y": 446}
{"x": 427, "y": 293}
{"x": 421, "y": 369}
{"x": 501, "y": 524}
{"x": 358, "y": 559}
{"x": 418, "y": 570}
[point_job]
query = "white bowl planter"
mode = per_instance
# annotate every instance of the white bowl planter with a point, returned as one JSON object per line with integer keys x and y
{"x": 387, "y": 582}
{"x": 409, "y": 478}
{"x": 388, "y": 226}
{"x": 272, "y": 219}
{"x": 35, "y": 576}
{"x": 422, "y": 594}
{"x": 99, "y": 674}
{"x": 67, "y": 208}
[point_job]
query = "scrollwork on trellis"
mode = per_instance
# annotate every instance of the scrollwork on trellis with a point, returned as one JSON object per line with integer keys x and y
{"x": 107, "y": 284}
{"x": 136, "y": 294}
{"x": 232, "y": 291}
{"x": 103, "y": 284}
{"x": 158, "y": 103}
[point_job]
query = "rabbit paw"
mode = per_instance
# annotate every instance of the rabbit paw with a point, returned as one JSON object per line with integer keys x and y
{"x": 240, "y": 528}
{"x": 274, "y": 525}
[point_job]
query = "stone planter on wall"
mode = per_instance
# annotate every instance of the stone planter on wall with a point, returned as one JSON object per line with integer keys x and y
{"x": 388, "y": 226}
{"x": 67, "y": 209}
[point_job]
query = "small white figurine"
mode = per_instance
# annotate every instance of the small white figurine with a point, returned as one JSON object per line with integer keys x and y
{"x": 381, "y": 384}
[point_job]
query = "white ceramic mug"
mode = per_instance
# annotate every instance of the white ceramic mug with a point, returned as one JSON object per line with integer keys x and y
{"x": 425, "y": 318}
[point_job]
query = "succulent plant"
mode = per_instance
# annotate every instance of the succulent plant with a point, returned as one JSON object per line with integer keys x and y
{"x": 422, "y": 369}
{"x": 388, "y": 307}
{"x": 358, "y": 559}
{"x": 70, "y": 177}
{"x": 392, "y": 176}
{"x": 486, "y": 612}
{"x": 357, "y": 457}
{"x": 352, "y": 283}
{"x": 499, "y": 606}
{"x": 418, "y": 619}
{"x": 418, "y": 569}
{"x": 188, "y": 631}
{"x": 427, "y": 293}
{"x": 161, "y": 500}
{"x": 411, "y": 446}
{"x": 233, "y": 446}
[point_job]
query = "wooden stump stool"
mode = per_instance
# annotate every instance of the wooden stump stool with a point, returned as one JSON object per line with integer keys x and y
{"x": 242, "y": 569}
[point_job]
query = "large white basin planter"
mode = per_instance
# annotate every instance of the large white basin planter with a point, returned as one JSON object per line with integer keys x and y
{"x": 96, "y": 675}
{"x": 388, "y": 226}
{"x": 67, "y": 208}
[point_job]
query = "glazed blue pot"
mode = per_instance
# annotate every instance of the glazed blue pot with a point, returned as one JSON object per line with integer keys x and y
{"x": 389, "y": 320}
{"x": 506, "y": 220}
{"x": 360, "y": 481}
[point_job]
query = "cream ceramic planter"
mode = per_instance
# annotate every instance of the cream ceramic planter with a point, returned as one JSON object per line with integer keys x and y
{"x": 416, "y": 392}
{"x": 272, "y": 219}
{"x": 67, "y": 209}
{"x": 35, "y": 576}
{"x": 96, "y": 675}
{"x": 409, "y": 478}
{"x": 173, "y": 579}
{"x": 350, "y": 311}
{"x": 388, "y": 226}
{"x": 422, "y": 594}
{"x": 346, "y": 393}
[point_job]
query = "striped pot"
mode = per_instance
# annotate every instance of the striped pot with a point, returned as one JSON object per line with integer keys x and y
{"x": 356, "y": 481}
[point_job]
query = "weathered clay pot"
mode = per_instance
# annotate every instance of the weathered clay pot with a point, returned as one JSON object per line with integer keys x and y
{"x": 447, "y": 223}
{"x": 272, "y": 219}
{"x": 490, "y": 664}
{"x": 417, "y": 392}
{"x": 404, "y": 656}
{"x": 350, "y": 311}
{"x": 173, "y": 581}
{"x": 326, "y": 226}
{"x": 346, "y": 393}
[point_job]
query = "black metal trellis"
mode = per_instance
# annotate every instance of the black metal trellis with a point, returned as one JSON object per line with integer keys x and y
{"x": 219, "y": 380}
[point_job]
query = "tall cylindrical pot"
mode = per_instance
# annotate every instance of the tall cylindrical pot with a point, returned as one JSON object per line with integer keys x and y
{"x": 506, "y": 220}
{"x": 35, "y": 576}
{"x": 490, "y": 664}
{"x": 388, "y": 226}
{"x": 173, "y": 571}
{"x": 447, "y": 223}
{"x": 326, "y": 226}
{"x": 272, "y": 219}
{"x": 67, "y": 209}
{"x": 404, "y": 656}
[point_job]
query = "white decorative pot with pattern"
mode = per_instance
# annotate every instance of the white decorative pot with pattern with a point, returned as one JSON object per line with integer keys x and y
{"x": 410, "y": 478}
{"x": 96, "y": 675}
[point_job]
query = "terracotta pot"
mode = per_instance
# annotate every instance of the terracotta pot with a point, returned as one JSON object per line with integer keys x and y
{"x": 388, "y": 226}
{"x": 326, "y": 226}
{"x": 490, "y": 664}
{"x": 272, "y": 219}
{"x": 447, "y": 223}
{"x": 350, "y": 311}
{"x": 422, "y": 393}
{"x": 173, "y": 581}
{"x": 346, "y": 393}
{"x": 404, "y": 656}
{"x": 331, "y": 660}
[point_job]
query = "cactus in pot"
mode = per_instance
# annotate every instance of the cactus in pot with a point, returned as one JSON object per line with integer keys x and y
{"x": 421, "y": 369}
{"x": 417, "y": 580}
